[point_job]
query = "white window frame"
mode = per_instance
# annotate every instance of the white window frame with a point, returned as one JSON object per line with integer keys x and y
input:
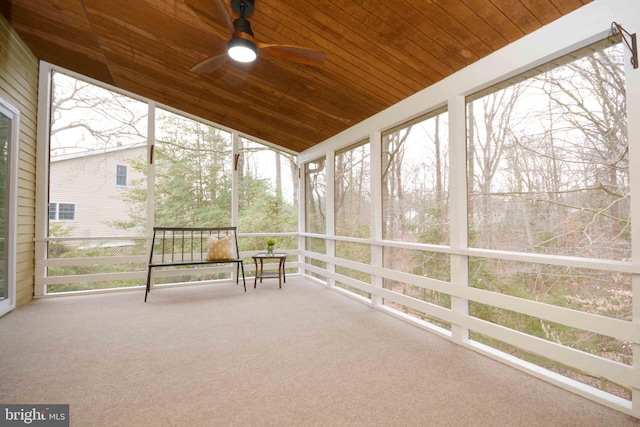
{"x": 57, "y": 215}
{"x": 126, "y": 175}
{"x": 13, "y": 113}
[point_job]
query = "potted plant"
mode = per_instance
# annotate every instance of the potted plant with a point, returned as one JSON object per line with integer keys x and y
{"x": 271, "y": 243}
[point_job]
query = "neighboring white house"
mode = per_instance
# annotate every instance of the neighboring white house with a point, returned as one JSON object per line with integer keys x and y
{"x": 85, "y": 192}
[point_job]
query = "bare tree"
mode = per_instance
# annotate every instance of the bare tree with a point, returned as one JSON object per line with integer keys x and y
{"x": 86, "y": 117}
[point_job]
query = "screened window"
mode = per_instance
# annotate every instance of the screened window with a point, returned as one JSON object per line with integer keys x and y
{"x": 316, "y": 187}
{"x": 548, "y": 173}
{"x": 548, "y": 160}
{"x": 415, "y": 179}
{"x": 315, "y": 209}
{"x": 352, "y": 205}
{"x": 352, "y": 199}
{"x": 95, "y": 133}
{"x": 268, "y": 194}
{"x": 193, "y": 172}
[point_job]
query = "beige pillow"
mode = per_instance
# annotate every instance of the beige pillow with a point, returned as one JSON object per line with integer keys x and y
{"x": 220, "y": 249}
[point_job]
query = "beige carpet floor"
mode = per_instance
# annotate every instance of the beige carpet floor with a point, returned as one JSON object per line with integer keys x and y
{"x": 301, "y": 355}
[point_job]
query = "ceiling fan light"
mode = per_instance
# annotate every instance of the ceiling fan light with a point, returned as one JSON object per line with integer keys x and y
{"x": 242, "y": 50}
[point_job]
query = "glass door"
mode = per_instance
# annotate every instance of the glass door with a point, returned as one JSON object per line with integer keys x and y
{"x": 8, "y": 185}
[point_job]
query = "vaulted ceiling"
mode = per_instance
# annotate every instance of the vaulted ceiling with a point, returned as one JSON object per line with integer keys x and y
{"x": 377, "y": 53}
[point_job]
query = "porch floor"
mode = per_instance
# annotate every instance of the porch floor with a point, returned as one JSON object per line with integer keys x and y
{"x": 213, "y": 355}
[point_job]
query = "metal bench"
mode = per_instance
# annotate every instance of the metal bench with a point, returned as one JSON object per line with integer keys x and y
{"x": 184, "y": 246}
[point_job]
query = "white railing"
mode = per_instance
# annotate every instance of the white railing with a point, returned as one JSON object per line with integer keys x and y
{"x": 593, "y": 368}
{"x": 130, "y": 270}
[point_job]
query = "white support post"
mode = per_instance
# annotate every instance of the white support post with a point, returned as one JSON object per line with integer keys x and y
{"x": 375, "y": 182}
{"x": 302, "y": 214}
{"x": 330, "y": 226}
{"x": 151, "y": 174}
{"x": 42, "y": 178}
{"x": 235, "y": 190}
{"x": 458, "y": 212}
{"x": 236, "y": 143}
{"x": 632, "y": 80}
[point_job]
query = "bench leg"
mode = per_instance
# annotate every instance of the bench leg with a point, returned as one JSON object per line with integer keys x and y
{"x": 240, "y": 265}
{"x": 148, "y": 284}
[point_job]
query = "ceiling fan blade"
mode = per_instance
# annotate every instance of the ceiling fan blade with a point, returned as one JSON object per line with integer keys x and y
{"x": 210, "y": 64}
{"x": 212, "y": 9}
{"x": 298, "y": 54}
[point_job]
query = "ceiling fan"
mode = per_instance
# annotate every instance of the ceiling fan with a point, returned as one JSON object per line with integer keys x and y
{"x": 243, "y": 47}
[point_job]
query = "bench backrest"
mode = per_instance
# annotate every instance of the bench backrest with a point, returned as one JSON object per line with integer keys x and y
{"x": 185, "y": 244}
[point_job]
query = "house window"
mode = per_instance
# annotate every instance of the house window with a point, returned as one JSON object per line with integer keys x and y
{"x": 62, "y": 211}
{"x": 121, "y": 175}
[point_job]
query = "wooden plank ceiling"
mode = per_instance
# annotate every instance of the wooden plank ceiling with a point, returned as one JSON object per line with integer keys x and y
{"x": 377, "y": 53}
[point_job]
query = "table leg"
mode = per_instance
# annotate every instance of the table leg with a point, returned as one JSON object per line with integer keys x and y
{"x": 284, "y": 275}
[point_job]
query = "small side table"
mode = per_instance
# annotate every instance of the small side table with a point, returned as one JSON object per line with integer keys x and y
{"x": 261, "y": 274}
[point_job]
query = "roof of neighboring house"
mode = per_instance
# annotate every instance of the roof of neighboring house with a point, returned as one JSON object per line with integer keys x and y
{"x": 101, "y": 151}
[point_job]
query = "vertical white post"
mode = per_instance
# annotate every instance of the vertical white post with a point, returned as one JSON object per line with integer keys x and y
{"x": 302, "y": 215}
{"x": 330, "y": 226}
{"x": 632, "y": 81}
{"x": 151, "y": 175}
{"x": 42, "y": 178}
{"x": 458, "y": 208}
{"x": 235, "y": 190}
{"x": 302, "y": 209}
{"x": 375, "y": 182}
{"x": 236, "y": 144}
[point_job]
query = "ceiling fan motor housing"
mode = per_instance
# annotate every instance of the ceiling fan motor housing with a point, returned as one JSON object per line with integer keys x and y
{"x": 239, "y": 5}
{"x": 242, "y": 25}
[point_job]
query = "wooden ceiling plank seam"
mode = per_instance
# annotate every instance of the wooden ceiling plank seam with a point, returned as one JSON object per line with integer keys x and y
{"x": 444, "y": 47}
{"x": 398, "y": 59}
{"x": 274, "y": 93}
{"x": 544, "y": 12}
{"x": 429, "y": 19}
{"x": 518, "y": 14}
{"x": 494, "y": 17}
{"x": 417, "y": 39}
{"x": 97, "y": 41}
{"x": 349, "y": 36}
{"x": 57, "y": 54}
{"x": 457, "y": 30}
{"x": 339, "y": 47}
{"x": 357, "y": 74}
{"x": 45, "y": 28}
{"x": 408, "y": 54}
{"x": 459, "y": 11}
{"x": 425, "y": 64}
